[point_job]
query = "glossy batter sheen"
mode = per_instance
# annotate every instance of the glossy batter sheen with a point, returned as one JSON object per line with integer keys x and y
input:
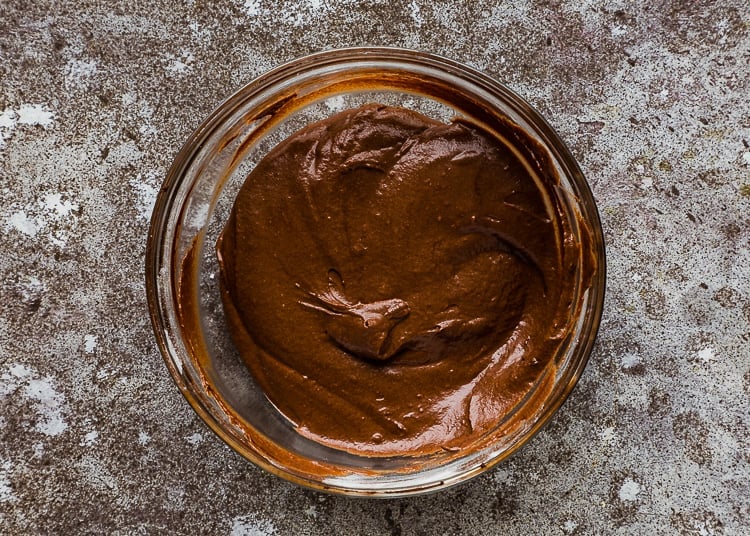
{"x": 396, "y": 284}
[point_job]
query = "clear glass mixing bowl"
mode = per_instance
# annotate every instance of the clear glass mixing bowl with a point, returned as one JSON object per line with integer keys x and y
{"x": 182, "y": 274}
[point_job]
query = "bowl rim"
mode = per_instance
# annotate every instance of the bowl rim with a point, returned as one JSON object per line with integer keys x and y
{"x": 166, "y": 202}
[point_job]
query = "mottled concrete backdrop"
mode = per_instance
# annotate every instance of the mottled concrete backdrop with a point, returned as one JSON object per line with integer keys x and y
{"x": 96, "y": 97}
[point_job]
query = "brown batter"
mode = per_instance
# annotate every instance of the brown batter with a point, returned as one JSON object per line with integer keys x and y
{"x": 396, "y": 284}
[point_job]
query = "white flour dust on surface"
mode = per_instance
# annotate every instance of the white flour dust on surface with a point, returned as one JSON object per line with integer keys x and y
{"x": 26, "y": 115}
{"x": 6, "y": 488}
{"x": 416, "y": 15}
{"x": 706, "y": 355}
{"x": 59, "y": 207}
{"x": 31, "y": 289}
{"x": 179, "y": 65}
{"x": 89, "y": 343}
{"x": 35, "y": 115}
{"x": 630, "y": 360}
{"x": 248, "y": 525}
{"x": 195, "y": 439}
{"x": 89, "y": 439}
{"x": 569, "y": 526}
{"x": 629, "y": 490}
{"x": 21, "y": 382}
{"x": 21, "y": 222}
{"x": 608, "y": 436}
{"x": 53, "y": 212}
{"x": 145, "y": 188}
{"x": 252, "y": 8}
{"x": 198, "y": 32}
{"x": 78, "y": 72}
{"x": 296, "y": 14}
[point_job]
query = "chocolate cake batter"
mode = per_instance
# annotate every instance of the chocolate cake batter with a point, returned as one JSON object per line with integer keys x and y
{"x": 396, "y": 284}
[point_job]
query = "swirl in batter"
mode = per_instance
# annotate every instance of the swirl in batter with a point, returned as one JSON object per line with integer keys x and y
{"x": 396, "y": 284}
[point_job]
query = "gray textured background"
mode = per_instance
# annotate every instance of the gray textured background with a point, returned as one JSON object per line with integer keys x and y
{"x": 97, "y": 97}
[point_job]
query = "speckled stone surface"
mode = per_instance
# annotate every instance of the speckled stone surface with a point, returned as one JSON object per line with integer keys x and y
{"x": 97, "y": 97}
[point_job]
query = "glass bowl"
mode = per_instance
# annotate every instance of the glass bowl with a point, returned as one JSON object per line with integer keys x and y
{"x": 182, "y": 273}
